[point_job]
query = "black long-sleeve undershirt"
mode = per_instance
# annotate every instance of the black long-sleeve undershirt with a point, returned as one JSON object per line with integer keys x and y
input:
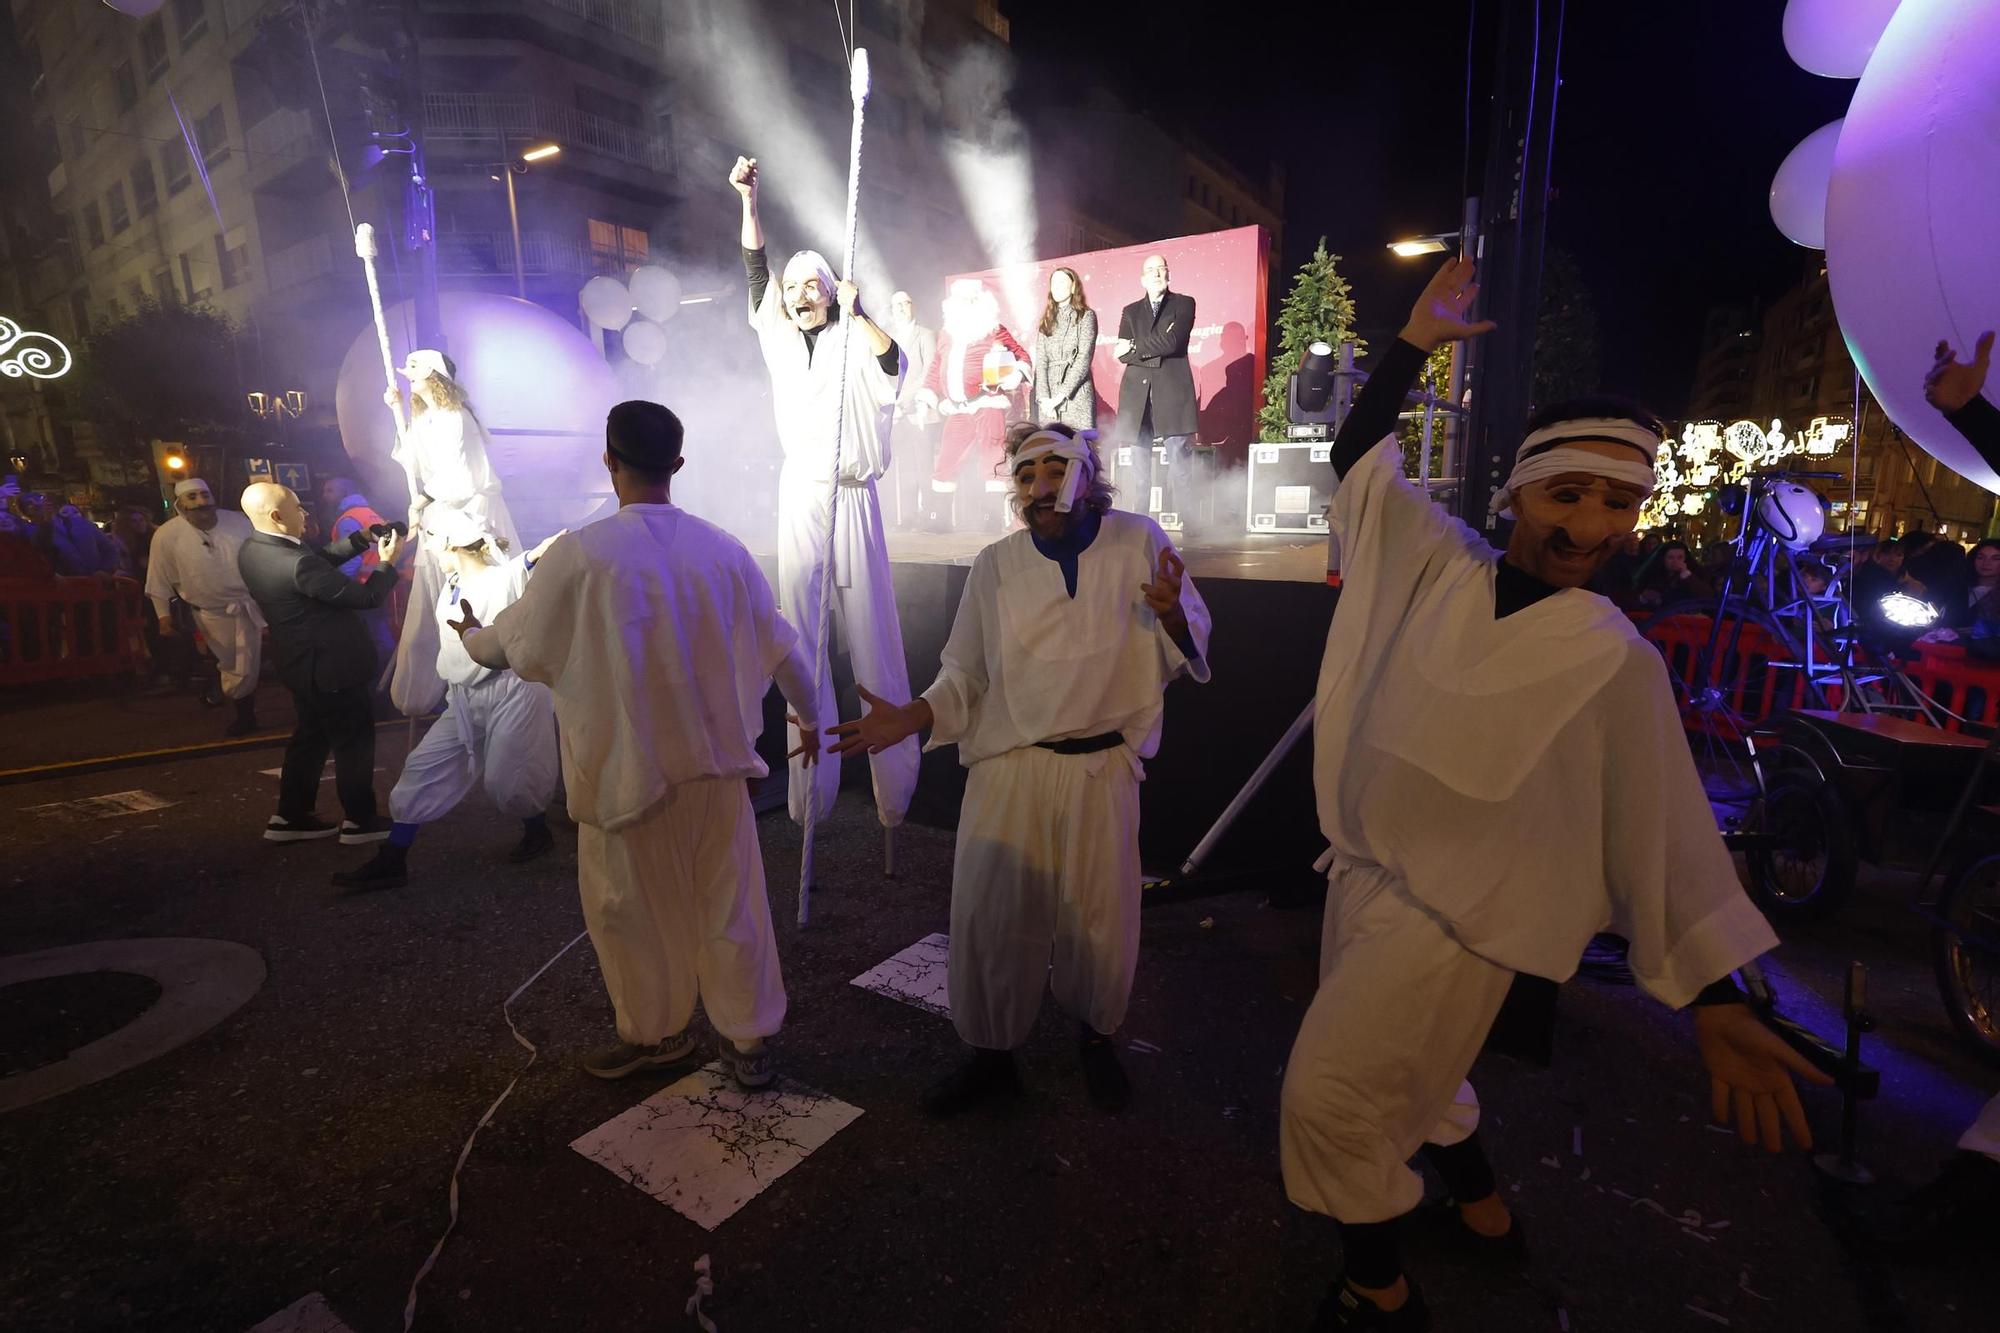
{"x": 1373, "y": 415}
{"x": 757, "y": 268}
{"x": 1979, "y": 422}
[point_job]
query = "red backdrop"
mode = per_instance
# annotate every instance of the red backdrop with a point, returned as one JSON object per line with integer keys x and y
{"x": 1224, "y": 271}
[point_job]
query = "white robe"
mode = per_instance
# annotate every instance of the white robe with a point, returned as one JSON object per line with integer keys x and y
{"x": 659, "y": 637}
{"x": 1521, "y": 784}
{"x": 1045, "y": 875}
{"x": 496, "y": 728}
{"x": 446, "y": 454}
{"x": 804, "y": 395}
{"x": 200, "y": 568}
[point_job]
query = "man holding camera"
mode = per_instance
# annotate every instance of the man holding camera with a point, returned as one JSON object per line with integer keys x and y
{"x": 325, "y": 656}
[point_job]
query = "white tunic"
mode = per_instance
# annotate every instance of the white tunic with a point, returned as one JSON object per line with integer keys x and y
{"x": 659, "y": 636}
{"x": 1026, "y": 662}
{"x": 804, "y": 395}
{"x": 200, "y": 566}
{"x": 1526, "y": 779}
{"x": 446, "y": 452}
{"x": 488, "y": 592}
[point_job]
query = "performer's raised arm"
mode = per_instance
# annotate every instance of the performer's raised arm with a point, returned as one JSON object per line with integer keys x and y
{"x": 743, "y": 179}
{"x": 1437, "y": 318}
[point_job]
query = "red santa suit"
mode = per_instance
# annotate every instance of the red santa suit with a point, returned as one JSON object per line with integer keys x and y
{"x": 974, "y": 409}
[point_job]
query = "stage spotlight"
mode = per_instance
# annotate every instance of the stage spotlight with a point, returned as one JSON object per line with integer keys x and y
{"x": 1309, "y": 398}
{"x": 1908, "y": 612}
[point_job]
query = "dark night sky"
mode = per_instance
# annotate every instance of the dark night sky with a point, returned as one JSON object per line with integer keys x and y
{"x": 1672, "y": 119}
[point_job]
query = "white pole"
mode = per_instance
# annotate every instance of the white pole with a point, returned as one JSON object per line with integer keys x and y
{"x": 858, "y": 89}
{"x": 364, "y": 246}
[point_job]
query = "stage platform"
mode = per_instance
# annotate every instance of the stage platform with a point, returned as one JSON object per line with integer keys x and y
{"x": 1268, "y": 598}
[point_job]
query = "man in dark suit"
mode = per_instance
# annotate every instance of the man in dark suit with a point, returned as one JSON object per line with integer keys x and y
{"x": 325, "y": 655}
{"x": 1156, "y": 400}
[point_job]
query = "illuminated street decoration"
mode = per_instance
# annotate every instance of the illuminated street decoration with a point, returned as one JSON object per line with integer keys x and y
{"x": 1710, "y": 454}
{"x": 35, "y": 355}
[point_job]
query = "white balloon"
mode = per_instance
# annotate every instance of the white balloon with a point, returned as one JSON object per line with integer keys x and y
{"x": 1911, "y": 212}
{"x": 645, "y": 342}
{"x": 1798, "y": 191}
{"x": 1835, "y": 37}
{"x": 607, "y": 303}
{"x": 137, "y": 9}
{"x": 656, "y": 292}
{"x": 538, "y": 385}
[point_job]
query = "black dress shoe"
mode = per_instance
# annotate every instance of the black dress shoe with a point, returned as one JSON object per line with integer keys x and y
{"x": 536, "y": 841}
{"x": 386, "y": 870}
{"x": 1103, "y": 1077}
{"x": 984, "y": 1077}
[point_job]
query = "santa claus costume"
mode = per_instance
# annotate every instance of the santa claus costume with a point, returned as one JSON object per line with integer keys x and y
{"x": 978, "y": 366}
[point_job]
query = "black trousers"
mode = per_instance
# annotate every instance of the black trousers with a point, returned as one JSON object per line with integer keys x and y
{"x": 342, "y": 721}
{"x": 1135, "y": 486}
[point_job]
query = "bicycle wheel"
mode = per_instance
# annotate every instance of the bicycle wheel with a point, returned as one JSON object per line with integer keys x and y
{"x": 1726, "y": 684}
{"x": 1811, "y": 870}
{"x": 1967, "y": 952}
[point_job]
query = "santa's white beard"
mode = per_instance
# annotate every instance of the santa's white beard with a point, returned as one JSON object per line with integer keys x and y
{"x": 967, "y": 330}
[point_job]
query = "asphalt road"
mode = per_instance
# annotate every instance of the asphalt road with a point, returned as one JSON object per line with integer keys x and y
{"x": 305, "y": 1144}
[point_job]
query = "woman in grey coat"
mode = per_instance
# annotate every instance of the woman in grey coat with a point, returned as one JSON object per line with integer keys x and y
{"x": 1064, "y": 343}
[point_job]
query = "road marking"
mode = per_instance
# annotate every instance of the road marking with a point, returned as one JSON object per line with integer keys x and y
{"x": 916, "y": 976}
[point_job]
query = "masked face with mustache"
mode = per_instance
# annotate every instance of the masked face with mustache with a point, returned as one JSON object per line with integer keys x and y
{"x": 1565, "y": 528}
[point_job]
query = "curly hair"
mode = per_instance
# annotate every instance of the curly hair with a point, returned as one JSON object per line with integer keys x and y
{"x": 449, "y": 392}
{"x": 1097, "y": 493}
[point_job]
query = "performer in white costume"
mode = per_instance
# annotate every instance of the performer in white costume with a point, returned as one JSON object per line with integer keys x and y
{"x": 1069, "y": 630}
{"x": 444, "y": 451}
{"x": 194, "y": 558}
{"x": 1501, "y": 770}
{"x": 660, "y": 638}
{"x": 791, "y": 316}
{"x": 497, "y": 729}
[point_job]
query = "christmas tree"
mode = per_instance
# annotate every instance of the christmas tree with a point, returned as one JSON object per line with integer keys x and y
{"x": 1319, "y": 308}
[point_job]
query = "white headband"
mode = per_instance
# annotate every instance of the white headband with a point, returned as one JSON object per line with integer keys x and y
{"x": 1543, "y": 455}
{"x": 1047, "y": 443}
{"x": 189, "y": 486}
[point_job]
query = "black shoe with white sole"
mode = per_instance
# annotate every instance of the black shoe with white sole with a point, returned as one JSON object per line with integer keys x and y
{"x": 357, "y": 835}
{"x": 388, "y": 870}
{"x": 303, "y": 829}
{"x": 1345, "y": 1310}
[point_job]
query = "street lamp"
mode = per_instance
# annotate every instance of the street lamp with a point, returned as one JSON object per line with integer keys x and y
{"x": 1417, "y": 246}
{"x": 284, "y": 403}
{"x": 539, "y": 153}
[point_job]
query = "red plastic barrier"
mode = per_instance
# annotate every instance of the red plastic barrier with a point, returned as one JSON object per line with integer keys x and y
{"x": 1952, "y": 678}
{"x": 70, "y": 629}
{"x": 1753, "y": 672}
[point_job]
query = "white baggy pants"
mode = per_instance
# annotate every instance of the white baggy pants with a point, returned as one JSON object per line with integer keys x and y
{"x": 676, "y": 909}
{"x": 237, "y": 644}
{"x": 1044, "y": 891}
{"x": 501, "y": 731}
{"x": 1379, "y": 1066}
{"x": 864, "y": 609}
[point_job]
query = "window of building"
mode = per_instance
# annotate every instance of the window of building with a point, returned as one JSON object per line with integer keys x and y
{"x": 235, "y": 264}
{"x": 145, "y": 189}
{"x": 93, "y": 224}
{"x": 153, "y": 48}
{"x": 79, "y": 313}
{"x": 986, "y": 13}
{"x": 114, "y": 208}
{"x": 613, "y": 243}
{"x": 125, "y": 85}
{"x": 136, "y": 294}
{"x": 178, "y": 170}
{"x": 163, "y": 286}
{"x": 190, "y": 20}
{"x": 211, "y": 135}
{"x": 187, "y": 276}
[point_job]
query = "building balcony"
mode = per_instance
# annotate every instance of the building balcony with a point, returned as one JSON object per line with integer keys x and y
{"x": 296, "y": 265}
{"x": 286, "y": 148}
{"x": 639, "y": 23}
{"x": 481, "y": 121}
{"x": 490, "y": 254}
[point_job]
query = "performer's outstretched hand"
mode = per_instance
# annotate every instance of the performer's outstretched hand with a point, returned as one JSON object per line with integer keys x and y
{"x": 1439, "y": 314}
{"x": 1750, "y": 1070}
{"x": 883, "y": 725}
{"x": 1163, "y": 594}
{"x": 1950, "y": 385}
{"x": 468, "y": 621}
{"x": 808, "y": 743}
{"x": 743, "y": 177}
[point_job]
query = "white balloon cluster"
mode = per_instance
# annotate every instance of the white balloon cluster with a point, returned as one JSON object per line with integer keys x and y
{"x": 636, "y": 308}
{"x": 1833, "y": 38}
